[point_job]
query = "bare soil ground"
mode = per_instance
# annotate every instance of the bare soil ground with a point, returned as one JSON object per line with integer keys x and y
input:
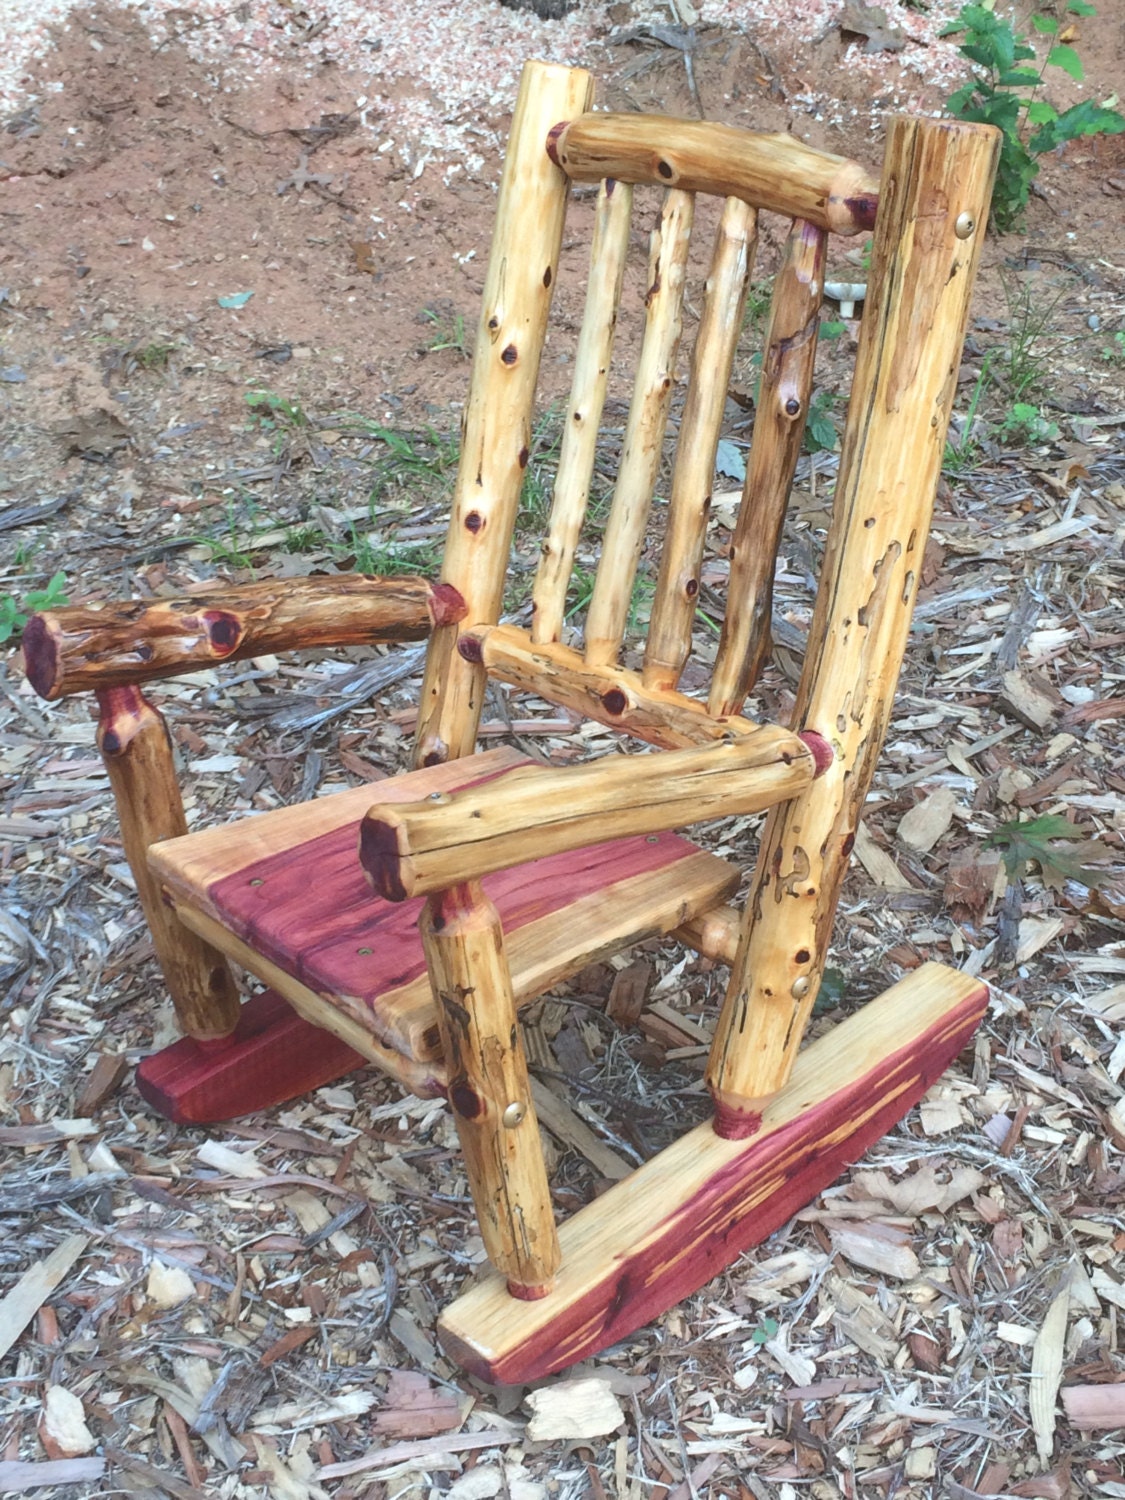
{"x": 249, "y": 1310}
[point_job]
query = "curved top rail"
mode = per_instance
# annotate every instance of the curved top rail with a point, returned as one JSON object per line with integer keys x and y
{"x": 773, "y": 172}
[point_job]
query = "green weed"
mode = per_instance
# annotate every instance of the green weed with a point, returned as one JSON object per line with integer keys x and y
{"x": 1026, "y": 424}
{"x": 1004, "y": 92}
{"x": 272, "y": 411}
{"x": 448, "y": 332}
{"x": 14, "y": 611}
{"x": 820, "y": 427}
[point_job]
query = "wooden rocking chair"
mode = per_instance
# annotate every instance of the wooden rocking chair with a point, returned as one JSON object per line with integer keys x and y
{"x": 519, "y": 874}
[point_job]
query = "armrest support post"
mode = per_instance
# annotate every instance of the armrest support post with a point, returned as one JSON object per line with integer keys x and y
{"x": 133, "y": 739}
{"x": 489, "y": 1089}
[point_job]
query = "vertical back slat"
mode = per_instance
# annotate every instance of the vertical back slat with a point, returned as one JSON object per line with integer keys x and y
{"x": 584, "y": 412}
{"x": 779, "y": 427}
{"x": 669, "y": 638}
{"x": 644, "y": 431}
{"x": 496, "y": 432}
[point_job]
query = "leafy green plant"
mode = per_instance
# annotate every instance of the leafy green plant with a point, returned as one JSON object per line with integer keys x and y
{"x": 1026, "y": 424}
{"x": 1115, "y": 353}
{"x": 273, "y": 412}
{"x": 820, "y": 427}
{"x": 1004, "y": 92}
{"x": 1060, "y": 849}
{"x": 765, "y": 1331}
{"x": 14, "y": 612}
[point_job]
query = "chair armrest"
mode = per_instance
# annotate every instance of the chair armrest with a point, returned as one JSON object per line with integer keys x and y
{"x": 411, "y": 849}
{"x": 114, "y": 645}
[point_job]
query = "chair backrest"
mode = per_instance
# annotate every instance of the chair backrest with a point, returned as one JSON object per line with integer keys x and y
{"x": 927, "y": 214}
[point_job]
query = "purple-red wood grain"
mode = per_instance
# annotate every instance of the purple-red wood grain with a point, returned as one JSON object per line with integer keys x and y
{"x": 310, "y": 910}
{"x": 273, "y": 1055}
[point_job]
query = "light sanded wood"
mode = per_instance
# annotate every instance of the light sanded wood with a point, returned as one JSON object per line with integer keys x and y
{"x": 775, "y": 172}
{"x": 689, "y": 503}
{"x": 84, "y": 647}
{"x": 714, "y": 933}
{"x": 22, "y": 1301}
{"x": 496, "y": 437}
{"x": 643, "y": 444}
{"x": 133, "y": 739}
{"x": 534, "y": 811}
{"x": 190, "y": 865}
{"x": 914, "y": 320}
{"x": 489, "y": 1089}
{"x": 674, "y": 1223}
{"x": 426, "y": 1076}
{"x": 612, "y": 695}
{"x": 584, "y": 411}
{"x": 784, "y": 393}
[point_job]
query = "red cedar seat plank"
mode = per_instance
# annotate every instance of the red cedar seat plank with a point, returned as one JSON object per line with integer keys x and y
{"x": 306, "y": 907}
{"x": 654, "y": 1239}
{"x": 272, "y": 1055}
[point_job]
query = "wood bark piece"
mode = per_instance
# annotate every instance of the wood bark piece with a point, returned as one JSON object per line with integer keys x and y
{"x": 674, "y": 1223}
{"x": 1093, "y": 1408}
{"x": 556, "y": 1115}
{"x": 784, "y": 394}
{"x": 84, "y": 647}
{"x": 17, "y": 1477}
{"x": 643, "y": 445}
{"x": 496, "y": 440}
{"x": 767, "y": 171}
{"x": 411, "y": 849}
{"x": 489, "y": 1089}
{"x": 1047, "y": 1356}
{"x": 937, "y": 179}
{"x": 689, "y": 502}
{"x": 101, "y": 1082}
{"x": 34, "y": 1287}
{"x": 137, "y": 752}
{"x": 584, "y": 411}
{"x": 612, "y": 695}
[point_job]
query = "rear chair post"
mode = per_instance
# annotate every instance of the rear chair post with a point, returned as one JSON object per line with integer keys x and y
{"x": 934, "y": 198}
{"x": 496, "y": 433}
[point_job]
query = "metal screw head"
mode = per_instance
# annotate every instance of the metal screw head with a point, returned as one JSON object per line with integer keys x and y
{"x": 801, "y": 987}
{"x": 514, "y": 1114}
{"x": 964, "y": 226}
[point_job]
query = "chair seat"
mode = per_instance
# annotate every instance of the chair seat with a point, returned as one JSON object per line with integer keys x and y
{"x": 285, "y": 892}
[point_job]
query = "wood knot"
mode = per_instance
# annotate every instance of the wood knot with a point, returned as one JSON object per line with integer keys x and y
{"x": 223, "y": 631}
{"x": 510, "y": 355}
{"x": 469, "y": 649}
{"x": 615, "y": 701}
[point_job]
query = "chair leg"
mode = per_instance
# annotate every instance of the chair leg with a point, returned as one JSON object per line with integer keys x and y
{"x": 489, "y": 1089}
{"x": 936, "y": 183}
{"x": 133, "y": 739}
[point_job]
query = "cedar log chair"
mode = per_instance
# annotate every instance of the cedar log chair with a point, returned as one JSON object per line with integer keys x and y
{"x": 483, "y": 879}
